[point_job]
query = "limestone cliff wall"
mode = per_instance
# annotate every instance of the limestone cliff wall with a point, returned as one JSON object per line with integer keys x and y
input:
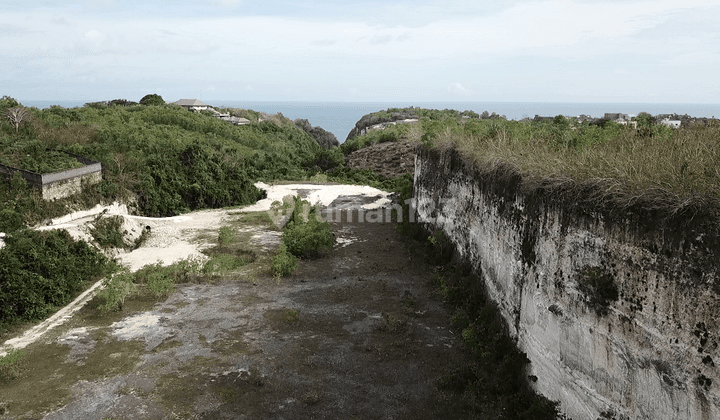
{"x": 617, "y": 313}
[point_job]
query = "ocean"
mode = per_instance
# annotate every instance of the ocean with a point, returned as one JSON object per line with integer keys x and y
{"x": 340, "y": 117}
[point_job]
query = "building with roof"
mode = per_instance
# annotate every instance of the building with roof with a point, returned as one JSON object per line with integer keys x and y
{"x": 192, "y": 104}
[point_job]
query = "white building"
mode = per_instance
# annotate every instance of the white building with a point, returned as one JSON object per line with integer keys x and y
{"x": 192, "y": 104}
{"x": 671, "y": 123}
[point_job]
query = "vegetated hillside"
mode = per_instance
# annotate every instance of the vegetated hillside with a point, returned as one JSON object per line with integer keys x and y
{"x": 609, "y": 168}
{"x": 673, "y": 171}
{"x": 167, "y": 158}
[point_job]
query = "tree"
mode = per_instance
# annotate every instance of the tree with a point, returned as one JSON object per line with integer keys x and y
{"x": 8, "y": 102}
{"x": 16, "y": 116}
{"x": 152, "y": 99}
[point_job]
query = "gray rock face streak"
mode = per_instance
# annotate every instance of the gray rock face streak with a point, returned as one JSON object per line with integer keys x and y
{"x": 618, "y": 312}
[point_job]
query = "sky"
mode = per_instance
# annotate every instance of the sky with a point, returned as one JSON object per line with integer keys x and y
{"x": 314, "y": 50}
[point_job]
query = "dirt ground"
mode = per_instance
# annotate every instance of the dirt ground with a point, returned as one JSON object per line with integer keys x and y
{"x": 358, "y": 334}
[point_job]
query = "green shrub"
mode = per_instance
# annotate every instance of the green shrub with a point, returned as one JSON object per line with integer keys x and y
{"x": 10, "y": 221}
{"x": 305, "y": 235}
{"x": 226, "y": 236}
{"x": 157, "y": 277}
{"x": 309, "y": 240}
{"x": 106, "y": 231}
{"x": 160, "y": 282}
{"x": 40, "y": 271}
{"x": 116, "y": 289}
{"x": 284, "y": 263}
{"x": 222, "y": 263}
{"x": 327, "y": 159}
{"x": 10, "y": 365}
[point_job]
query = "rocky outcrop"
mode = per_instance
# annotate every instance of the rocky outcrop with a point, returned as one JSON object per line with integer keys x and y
{"x": 324, "y": 138}
{"x": 618, "y": 311}
{"x": 389, "y": 159}
{"x": 379, "y": 120}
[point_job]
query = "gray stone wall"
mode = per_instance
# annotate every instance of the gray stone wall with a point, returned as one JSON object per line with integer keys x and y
{"x": 69, "y": 186}
{"x": 649, "y": 353}
{"x": 60, "y": 184}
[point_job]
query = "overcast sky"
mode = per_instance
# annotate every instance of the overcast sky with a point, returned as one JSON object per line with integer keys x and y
{"x": 316, "y": 50}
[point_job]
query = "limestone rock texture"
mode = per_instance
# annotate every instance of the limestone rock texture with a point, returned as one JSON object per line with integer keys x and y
{"x": 617, "y": 312}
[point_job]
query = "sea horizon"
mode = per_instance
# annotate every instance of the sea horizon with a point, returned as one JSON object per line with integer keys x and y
{"x": 340, "y": 117}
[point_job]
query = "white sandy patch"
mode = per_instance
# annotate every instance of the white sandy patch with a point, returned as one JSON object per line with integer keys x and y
{"x": 137, "y": 326}
{"x": 166, "y": 256}
{"x": 322, "y": 195}
{"x": 74, "y": 335}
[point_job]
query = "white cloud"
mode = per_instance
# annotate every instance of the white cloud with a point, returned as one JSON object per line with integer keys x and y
{"x": 226, "y": 3}
{"x": 456, "y": 89}
{"x": 265, "y": 49}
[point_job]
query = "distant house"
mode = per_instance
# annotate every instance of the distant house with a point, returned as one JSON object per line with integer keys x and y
{"x": 671, "y": 123}
{"x": 192, "y": 104}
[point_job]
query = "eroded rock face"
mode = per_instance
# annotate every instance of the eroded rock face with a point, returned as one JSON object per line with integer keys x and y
{"x": 618, "y": 319}
{"x": 324, "y": 138}
{"x": 389, "y": 159}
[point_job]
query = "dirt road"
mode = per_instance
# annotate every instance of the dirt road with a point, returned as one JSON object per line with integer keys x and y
{"x": 357, "y": 334}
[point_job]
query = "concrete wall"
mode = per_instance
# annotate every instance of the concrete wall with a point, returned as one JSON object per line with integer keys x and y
{"x": 649, "y": 354}
{"x": 60, "y": 184}
{"x": 69, "y": 186}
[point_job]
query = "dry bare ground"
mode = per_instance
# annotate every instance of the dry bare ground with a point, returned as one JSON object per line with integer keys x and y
{"x": 357, "y": 334}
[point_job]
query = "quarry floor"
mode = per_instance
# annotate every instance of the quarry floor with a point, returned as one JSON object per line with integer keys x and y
{"x": 358, "y": 334}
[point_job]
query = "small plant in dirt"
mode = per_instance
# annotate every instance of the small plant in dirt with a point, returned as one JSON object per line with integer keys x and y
{"x": 226, "y": 236}
{"x": 155, "y": 278}
{"x": 116, "y": 289}
{"x": 222, "y": 263}
{"x": 253, "y": 218}
{"x": 160, "y": 283}
{"x": 10, "y": 365}
{"x": 393, "y": 324}
{"x": 408, "y": 301}
{"x": 441, "y": 248}
{"x": 291, "y": 315}
{"x": 107, "y": 231}
{"x": 283, "y": 263}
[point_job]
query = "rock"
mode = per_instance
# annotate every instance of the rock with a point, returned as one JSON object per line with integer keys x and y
{"x": 376, "y": 119}
{"x": 389, "y": 159}
{"x": 617, "y": 312}
{"x": 324, "y": 138}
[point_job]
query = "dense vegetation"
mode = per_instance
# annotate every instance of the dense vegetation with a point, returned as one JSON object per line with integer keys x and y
{"x": 40, "y": 271}
{"x": 163, "y": 158}
{"x": 167, "y": 159}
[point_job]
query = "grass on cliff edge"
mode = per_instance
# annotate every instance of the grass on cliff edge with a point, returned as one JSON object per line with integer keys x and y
{"x": 670, "y": 169}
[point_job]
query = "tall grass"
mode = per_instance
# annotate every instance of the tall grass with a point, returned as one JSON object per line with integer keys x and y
{"x": 668, "y": 168}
